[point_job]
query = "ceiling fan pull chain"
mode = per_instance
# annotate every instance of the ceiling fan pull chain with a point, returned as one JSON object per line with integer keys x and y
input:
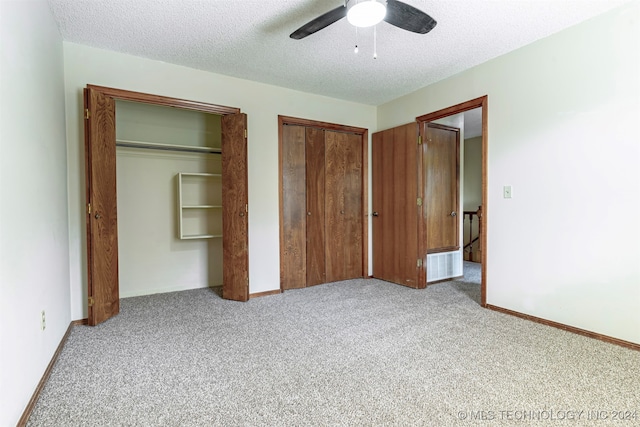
{"x": 375, "y": 42}
{"x": 356, "y": 49}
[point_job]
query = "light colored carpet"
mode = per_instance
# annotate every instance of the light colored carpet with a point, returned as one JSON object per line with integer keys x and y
{"x": 359, "y": 352}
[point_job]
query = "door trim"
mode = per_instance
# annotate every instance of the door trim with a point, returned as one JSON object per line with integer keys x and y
{"x": 364, "y": 134}
{"x": 482, "y": 102}
{"x": 147, "y": 98}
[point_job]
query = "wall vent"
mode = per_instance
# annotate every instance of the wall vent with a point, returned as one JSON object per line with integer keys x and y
{"x": 444, "y": 265}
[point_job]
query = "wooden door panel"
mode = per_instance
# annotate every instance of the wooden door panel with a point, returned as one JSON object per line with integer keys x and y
{"x": 102, "y": 220}
{"x": 343, "y": 204}
{"x": 387, "y": 211}
{"x": 394, "y": 172}
{"x": 235, "y": 221}
{"x": 334, "y": 205}
{"x": 352, "y": 219}
{"x": 405, "y": 195}
{"x": 294, "y": 257}
{"x": 378, "y": 194}
{"x": 315, "y": 198}
{"x": 441, "y": 170}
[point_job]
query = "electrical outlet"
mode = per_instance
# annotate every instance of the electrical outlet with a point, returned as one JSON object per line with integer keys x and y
{"x": 43, "y": 322}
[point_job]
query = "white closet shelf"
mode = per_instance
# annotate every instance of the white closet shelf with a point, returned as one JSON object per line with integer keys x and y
{"x": 159, "y": 146}
{"x": 200, "y": 174}
{"x": 201, "y": 236}
{"x": 201, "y": 207}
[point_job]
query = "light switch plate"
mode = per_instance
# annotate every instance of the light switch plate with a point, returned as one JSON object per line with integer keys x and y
{"x": 506, "y": 192}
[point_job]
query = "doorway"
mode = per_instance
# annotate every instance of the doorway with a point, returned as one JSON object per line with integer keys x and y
{"x": 474, "y": 106}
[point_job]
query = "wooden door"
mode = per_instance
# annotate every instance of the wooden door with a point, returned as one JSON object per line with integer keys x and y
{"x": 441, "y": 169}
{"x": 343, "y": 206}
{"x": 395, "y": 207}
{"x": 293, "y": 255}
{"x": 315, "y": 202}
{"x": 102, "y": 212}
{"x": 235, "y": 208}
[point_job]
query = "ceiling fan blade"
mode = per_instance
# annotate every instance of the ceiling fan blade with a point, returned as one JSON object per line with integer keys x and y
{"x": 408, "y": 17}
{"x": 319, "y": 23}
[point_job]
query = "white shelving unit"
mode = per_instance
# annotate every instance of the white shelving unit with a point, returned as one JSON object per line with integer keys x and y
{"x": 199, "y": 205}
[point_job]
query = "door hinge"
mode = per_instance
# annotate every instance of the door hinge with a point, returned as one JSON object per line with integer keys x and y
{"x": 89, "y": 208}
{"x": 419, "y": 139}
{"x": 420, "y": 263}
{"x": 245, "y": 133}
{"x": 246, "y": 208}
{"x": 86, "y": 113}
{"x": 91, "y": 301}
{"x": 419, "y": 201}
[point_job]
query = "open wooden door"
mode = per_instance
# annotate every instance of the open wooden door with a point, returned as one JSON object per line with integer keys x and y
{"x": 235, "y": 208}
{"x": 396, "y": 206}
{"x": 441, "y": 163}
{"x": 102, "y": 212}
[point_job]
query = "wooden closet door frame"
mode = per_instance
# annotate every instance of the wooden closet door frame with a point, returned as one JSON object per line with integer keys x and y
{"x": 364, "y": 134}
{"x": 481, "y": 102}
{"x": 126, "y": 95}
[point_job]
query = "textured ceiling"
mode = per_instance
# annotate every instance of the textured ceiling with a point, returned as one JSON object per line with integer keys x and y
{"x": 250, "y": 39}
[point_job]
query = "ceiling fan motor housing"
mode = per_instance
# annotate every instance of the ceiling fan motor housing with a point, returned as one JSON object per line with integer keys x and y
{"x": 366, "y": 13}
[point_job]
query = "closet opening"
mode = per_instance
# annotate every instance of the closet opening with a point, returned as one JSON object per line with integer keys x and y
{"x": 166, "y": 188}
{"x": 169, "y": 195}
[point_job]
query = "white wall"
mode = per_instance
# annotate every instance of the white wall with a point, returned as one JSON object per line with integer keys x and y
{"x": 472, "y": 194}
{"x": 262, "y": 103}
{"x": 472, "y": 167}
{"x": 562, "y": 130}
{"x": 152, "y": 258}
{"x": 34, "y": 246}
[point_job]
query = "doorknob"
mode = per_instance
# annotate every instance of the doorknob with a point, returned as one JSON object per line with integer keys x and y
{"x": 241, "y": 213}
{"x": 98, "y": 216}
{"x": 308, "y": 213}
{"x": 374, "y": 214}
{"x": 453, "y": 213}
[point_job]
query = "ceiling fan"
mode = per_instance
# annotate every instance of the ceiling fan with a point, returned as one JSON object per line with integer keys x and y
{"x": 366, "y": 13}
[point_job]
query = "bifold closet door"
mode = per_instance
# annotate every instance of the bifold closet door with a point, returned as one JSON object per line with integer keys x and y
{"x": 102, "y": 208}
{"x": 303, "y": 187}
{"x": 343, "y": 205}
{"x": 293, "y": 265}
{"x": 322, "y": 208}
{"x": 315, "y": 199}
{"x": 235, "y": 208}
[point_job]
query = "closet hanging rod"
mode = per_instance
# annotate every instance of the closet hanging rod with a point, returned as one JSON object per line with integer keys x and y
{"x": 166, "y": 147}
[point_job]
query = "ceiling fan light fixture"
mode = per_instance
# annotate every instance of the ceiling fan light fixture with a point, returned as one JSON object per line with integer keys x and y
{"x": 365, "y": 13}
